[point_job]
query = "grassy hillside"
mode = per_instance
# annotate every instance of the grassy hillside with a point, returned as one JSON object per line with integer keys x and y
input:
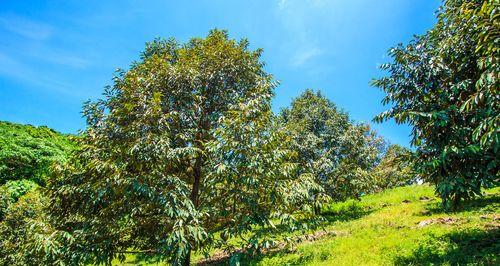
{"x": 402, "y": 226}
{"x": 27, "y": 155}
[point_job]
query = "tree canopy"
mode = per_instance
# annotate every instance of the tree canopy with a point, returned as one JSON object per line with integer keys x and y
{"x": 338, "y": 152}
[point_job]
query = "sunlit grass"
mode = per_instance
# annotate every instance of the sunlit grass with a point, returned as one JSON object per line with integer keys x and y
{"x": 383, "y": 229}
{"x": 390, "y": 234}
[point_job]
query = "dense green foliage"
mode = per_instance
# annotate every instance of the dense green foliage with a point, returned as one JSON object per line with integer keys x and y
{"x": 14, "y": 189}
{"x": 27, "y": 158}
{"x": 28, "y": 152}
{"x": 27, "y": 237}
{"x": 339, "y": 153}
{"x": 181, "y": 155}
{"x": 445, "y": 85}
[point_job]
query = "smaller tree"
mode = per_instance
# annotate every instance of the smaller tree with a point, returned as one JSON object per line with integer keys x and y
{"x": 361, "y": 151}
{"x": 338, "y": 153}
{"x": 395, "y": 169}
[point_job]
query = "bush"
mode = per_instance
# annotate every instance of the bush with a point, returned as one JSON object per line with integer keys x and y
{"x": 14, "y": 189}
{"x": 26, "y": 237}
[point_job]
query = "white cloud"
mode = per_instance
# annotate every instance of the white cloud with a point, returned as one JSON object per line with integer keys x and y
{"x": 37, "y": 43}
{"x": 282, "y": 4}
{"x": 58, "y": 57}
{"x": 296, "y": 18}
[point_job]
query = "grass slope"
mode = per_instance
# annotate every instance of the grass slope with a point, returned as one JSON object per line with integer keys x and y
{"x": 402, "y": 226}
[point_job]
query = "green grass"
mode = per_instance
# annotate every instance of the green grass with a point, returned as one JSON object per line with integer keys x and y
{"x": 383, "y": 229}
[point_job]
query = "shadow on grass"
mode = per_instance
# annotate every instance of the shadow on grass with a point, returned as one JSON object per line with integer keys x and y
{"x": 141, "y": 259}
{"x": 342, "y": 213}
{"x": 328, "y": 215}
{"x": 346, "y": 213}
{"x": 488, "y": 203}
{"x": 475, "y": 247}
{"x": 244, "y": 258}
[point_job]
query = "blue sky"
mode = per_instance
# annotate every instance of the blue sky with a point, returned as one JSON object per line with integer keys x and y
{"x": 56, "y": 54}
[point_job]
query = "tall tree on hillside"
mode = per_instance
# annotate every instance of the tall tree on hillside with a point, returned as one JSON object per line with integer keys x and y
{"x": 182, "y": 148}
{"x": 337, "y": 152}
{"x": 445, "y": 85}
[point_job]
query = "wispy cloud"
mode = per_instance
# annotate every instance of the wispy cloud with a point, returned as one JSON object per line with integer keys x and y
{"x": 25, "y": 27}
{"x": 32, "y": 41}
{"x": 282, "y": 4}
{"x": 16, "y": 69}
{"x": 320, "y": 3}
{"x": 303, "y": 56}
{"x": 58, "y": 57}
{"x": 70, "y": 60}
{"x": 302, "y": 43}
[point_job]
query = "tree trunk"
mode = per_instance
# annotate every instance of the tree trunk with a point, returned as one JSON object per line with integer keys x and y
{"x": 195, "y": 191}
{"x": 197, "y": 174}
{"x": 316, "y": 208}
{"x": 203, "y": 128}
{"x": 187, "y": 259}
{"x": 194, "y": 197}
